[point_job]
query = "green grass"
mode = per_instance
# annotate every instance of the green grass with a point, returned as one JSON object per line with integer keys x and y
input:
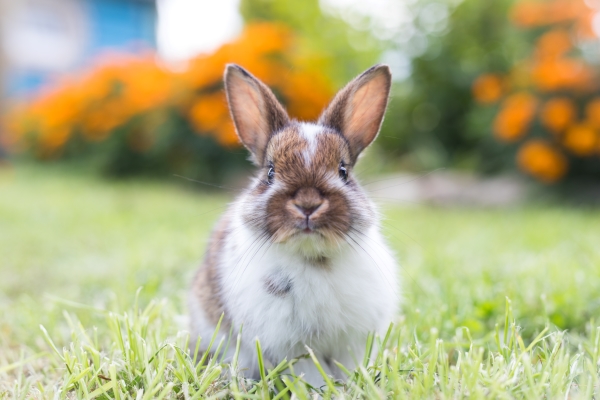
{"x": 497, "y": 303}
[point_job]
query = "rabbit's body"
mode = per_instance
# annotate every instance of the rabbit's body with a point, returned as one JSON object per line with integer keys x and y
{"x": 298, "y": 259}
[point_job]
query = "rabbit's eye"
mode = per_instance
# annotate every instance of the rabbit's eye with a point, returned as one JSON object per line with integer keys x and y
{"x": 343, "y": 172}
{"x": 270, "y": 174}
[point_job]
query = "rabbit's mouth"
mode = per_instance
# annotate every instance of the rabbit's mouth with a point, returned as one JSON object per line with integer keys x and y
{"x": 320, "y": 226}
{"x": 313, "y": 243}
{"x": 308, "y": 226}
{"x": 308, "y": 229}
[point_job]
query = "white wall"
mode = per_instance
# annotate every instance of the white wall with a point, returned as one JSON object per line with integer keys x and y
{"x": 43, "y": 35}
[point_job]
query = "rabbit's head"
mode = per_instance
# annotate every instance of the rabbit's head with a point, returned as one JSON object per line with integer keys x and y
{"x": 305, "y": 193}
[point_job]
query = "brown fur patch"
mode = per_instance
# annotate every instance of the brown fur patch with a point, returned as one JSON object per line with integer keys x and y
{"x": 333, "y": 149}
{"x": 207, "y": 286}
{"x": 306, "y": 185}
{"x": 285, "y": 148}
{"x": 278, "y": 284}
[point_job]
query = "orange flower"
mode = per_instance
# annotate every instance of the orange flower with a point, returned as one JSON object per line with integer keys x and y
{"x": 487, "y": 88}
{"x": 558, "y": 113}
{"x": 514, "y": 116}
{"x": 541, "y": 160}
{"x": 592, "y": 112}
{"x": 226, "y": 134}
{"x": 208, "y": 111}
{"x": 13, "y": 128}
{"x": 50, "y": 141}
{"x": 539, "y": 13}
{"x": 526, "y": 14}
{"x": 549, "y": 75}
{"x": 553, "y": 44}
{"x": 581, "y": 139}
{"x": 99, "y": 121}
{"x": 252, "y": 49}
{"x": 307, "y": 94}
{"x": 145, "y": 85}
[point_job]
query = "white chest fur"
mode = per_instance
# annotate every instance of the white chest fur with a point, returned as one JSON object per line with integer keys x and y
{"x": 288, "y": 301}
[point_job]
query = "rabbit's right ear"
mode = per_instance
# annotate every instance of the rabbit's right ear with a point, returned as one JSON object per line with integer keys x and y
{"x": 255, "y": 110}
{"x": 357, "y": 110}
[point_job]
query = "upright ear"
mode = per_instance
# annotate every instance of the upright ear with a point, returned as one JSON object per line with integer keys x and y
{"x": 357, "y": 110}
{"x": 255, "y": 111}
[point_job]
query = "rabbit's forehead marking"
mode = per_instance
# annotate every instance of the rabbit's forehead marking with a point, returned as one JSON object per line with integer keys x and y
{"x": 310, "y": 132}
{"x": 308, "y": 146}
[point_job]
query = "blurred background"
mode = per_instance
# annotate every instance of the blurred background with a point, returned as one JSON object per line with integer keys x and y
{"x": 508, "y": 88}
{"x": 113, "y": 115}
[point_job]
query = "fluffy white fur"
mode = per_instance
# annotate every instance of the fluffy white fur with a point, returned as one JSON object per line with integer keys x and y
{"x": 329, "y": 309}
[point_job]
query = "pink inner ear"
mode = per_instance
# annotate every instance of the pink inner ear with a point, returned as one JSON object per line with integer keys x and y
{"x": 366, "y": 111}
{"x": 255, "y": 110}
{"x": 247, "y": 109}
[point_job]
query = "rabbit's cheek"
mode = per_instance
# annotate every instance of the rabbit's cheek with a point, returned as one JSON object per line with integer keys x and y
{"x": 338, "y": 216}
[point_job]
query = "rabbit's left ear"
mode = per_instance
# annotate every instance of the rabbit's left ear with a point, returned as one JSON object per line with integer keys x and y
{"x": 255, "y": 110}
{"x": 357, "y": 110}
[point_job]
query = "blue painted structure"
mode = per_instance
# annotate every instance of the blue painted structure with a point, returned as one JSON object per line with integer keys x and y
{"x": 117, "y": 24}
{"x": 121, "y": 25}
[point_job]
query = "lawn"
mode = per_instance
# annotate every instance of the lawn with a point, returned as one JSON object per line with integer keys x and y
{"x": 94, "y": 274}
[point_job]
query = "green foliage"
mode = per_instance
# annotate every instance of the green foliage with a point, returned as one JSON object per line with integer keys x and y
{"x": 326, "y": 42}
{"x": 75, "y": 249}
{"x": 176, "y": 150}
{"x": 430, "y": 120}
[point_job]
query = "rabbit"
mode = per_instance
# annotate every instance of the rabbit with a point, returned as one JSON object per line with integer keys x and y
{"x": 298, "y": 259}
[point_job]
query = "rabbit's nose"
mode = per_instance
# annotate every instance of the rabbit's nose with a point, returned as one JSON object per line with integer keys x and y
{"x": 307, "y": 210}
{"x": 307, "y": 201}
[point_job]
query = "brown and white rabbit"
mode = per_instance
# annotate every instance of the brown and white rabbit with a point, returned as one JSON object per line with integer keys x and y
{"x": 298, "y": 259}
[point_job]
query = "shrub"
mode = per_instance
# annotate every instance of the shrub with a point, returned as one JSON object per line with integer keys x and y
{"x": 430, "y": 122}
{"x": 129, "y": 114}
{"x": 548, "y": 105}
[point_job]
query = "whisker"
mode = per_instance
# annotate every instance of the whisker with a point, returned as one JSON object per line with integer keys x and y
{"x": 207, "y": 184}
{"x": 365, "y": 172}
{"x": 389, "y": 225}
{"x": 210, "y": 211}
{"x": 393, "y": 200}
{"x": 239, "y": 276}
{"x": 253, "y": 243}
{"x": 404, "y": 182}
{"x": 376, "y": 264}
{"x": 391, "y": 255}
